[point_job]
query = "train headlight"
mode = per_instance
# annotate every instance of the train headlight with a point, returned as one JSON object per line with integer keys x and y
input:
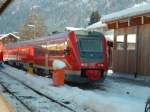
{"x": 66, "y": 44}
{"x": 84, "y": 64}
{"x": 100, "y": 65}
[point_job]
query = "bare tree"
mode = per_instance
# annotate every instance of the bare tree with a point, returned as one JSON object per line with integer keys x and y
{"x": 33, "y": 28}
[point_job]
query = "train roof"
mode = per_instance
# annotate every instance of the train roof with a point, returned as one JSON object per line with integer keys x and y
{"x": 89, "y": 33}
{"x": 49, "y": 39}
{"x": 56, "y": 38}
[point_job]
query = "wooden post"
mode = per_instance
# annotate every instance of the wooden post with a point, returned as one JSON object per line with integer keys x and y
{"x": 125, "y": 41}
{"x": 142, "y": 20}
{"x": 115, "y": 42}
{"x": 117, "y": 24}
{"x": 136, "y": 56}
{"x": 129, "y": 22}
{"x": 126, "y": 50}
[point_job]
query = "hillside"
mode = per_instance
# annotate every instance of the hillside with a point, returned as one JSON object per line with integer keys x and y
{"x": 59, "y": 13}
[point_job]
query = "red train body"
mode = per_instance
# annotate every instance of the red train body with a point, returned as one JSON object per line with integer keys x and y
{"x": 85, "y": 55}
{"x": 1, "y": 51}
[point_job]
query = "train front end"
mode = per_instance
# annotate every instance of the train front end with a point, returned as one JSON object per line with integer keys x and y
{"x": 92, "y": 48}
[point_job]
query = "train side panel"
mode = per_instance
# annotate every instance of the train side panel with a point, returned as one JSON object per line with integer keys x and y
{"x": 73, "y": 58}
{"x": 1, "y": 51}
{"x": 105, "y": 68}
{"x": 25, "y": 54}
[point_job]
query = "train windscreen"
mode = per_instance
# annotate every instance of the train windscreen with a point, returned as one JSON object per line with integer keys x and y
{"x": 91, "y": 48}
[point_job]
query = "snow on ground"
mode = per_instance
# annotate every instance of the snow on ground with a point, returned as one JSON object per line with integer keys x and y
{"x": 35, "y": 102}
{"x": 14, "y": 102}
{"x": 131, "y": 77}
{"x": 111, "y": 96}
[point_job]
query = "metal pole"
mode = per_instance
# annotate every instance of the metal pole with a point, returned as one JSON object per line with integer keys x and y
{"x": 34, "y": 33}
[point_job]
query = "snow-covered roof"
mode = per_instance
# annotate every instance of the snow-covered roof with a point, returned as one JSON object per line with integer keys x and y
{"x": 73, "y": 29}
{"x": 137, "y": 10}
{"x": 6, "y": 35}
{"x": 97, "y": 25}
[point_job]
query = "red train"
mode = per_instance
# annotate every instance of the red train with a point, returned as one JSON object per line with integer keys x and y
{"x": 85, "y": 55}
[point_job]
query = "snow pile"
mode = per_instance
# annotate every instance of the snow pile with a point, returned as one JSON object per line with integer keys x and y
{"x": 74, "y": 29}
{"x": 110, "y": 73}
{"x": 58, "y": 64}
{"x": 116, "y": 97}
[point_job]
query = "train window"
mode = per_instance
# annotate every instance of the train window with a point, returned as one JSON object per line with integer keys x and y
{"x": 26, "y": 51}
{"x": 37, "y": 51}
{"x": 90, "y": 45}
{"x": 131, "y": 41}
{"x": 51, "y": 46}
{"x": 56, "y": 52}
{"x": 55, "y": 49}
{"x": 120, "y": 42}
{"x": 59, "y": 46}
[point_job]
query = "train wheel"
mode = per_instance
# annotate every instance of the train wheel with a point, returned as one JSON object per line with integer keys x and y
{"x": 103, "y": 76}
{"x": 35, "y": 70}
{"x": 14, "y": 64}
{"x": 50, "y": 73}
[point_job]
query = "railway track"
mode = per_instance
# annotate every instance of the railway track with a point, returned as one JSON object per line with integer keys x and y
{"x": 31, "y": 99}
{"x": 5, "y": 89}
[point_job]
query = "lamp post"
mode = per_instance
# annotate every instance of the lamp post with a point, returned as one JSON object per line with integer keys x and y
{"x": 32, "y": 26}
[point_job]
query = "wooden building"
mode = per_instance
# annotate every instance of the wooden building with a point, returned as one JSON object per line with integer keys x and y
{"x": 131, "y": 51}
{"x": 10, "y": 37}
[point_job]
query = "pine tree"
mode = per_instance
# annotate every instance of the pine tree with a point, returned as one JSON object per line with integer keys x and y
{"x": 95, "y": 17}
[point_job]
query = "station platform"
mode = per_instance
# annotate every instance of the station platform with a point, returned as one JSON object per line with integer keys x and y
{"x": 6, "y": 106}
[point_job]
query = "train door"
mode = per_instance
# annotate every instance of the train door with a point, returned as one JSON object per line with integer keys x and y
{"x": 39, "y": 58}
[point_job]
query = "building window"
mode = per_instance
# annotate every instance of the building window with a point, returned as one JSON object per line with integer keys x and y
{"x": 131, "y": 41}
{"x": 120, "y": 42}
